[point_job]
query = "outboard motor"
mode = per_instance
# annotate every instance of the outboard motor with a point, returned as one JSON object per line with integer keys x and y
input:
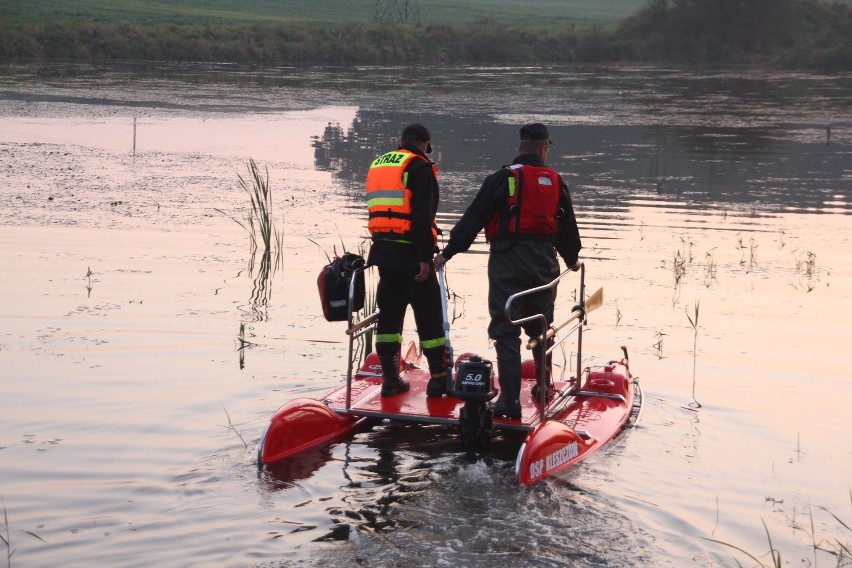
{"x": 475, "y": 386}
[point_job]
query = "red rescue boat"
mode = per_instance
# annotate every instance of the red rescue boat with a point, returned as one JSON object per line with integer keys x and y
{"x": 563, "y": 425}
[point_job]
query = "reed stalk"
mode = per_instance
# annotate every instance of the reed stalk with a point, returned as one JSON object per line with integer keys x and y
{"x": 693, "y": 321}
{"x": 838, "y": 552}
{"x": 232, "y": 427}
{"x": 260, "y": 196}
{"x": 658, "y": 344}
{"x": 260, "y": 223}
{"x": 261, "y": 229}
{"x": 7, "y": 537}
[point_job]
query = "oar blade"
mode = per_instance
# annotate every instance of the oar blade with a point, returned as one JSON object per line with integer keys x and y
{"x": 595, "y": 301}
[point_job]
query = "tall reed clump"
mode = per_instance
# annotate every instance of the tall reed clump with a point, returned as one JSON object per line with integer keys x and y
{"x": 261, "y": 229}
{"x": 260, "y": 225}
{"x": 260, "y": 215}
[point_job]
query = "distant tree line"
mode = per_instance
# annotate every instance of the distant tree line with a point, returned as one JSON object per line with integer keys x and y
{"x": 784, "y": 33}
{"x": 802, "y": 33}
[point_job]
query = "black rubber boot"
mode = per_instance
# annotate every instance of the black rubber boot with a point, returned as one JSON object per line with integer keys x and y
{"x": 391, "y": 382}
{"x": 548, "y": 392}
{"x": 506, "y": 407}
{"x": 508, "y": 404}
{"x": 547, "y": 376}
{"x": 437, "y": 386}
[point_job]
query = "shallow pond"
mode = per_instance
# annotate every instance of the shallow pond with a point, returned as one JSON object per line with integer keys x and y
{"x": 144, "y": 348}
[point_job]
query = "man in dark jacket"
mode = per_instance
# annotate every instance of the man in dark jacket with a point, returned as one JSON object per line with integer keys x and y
{"x": 528, "y": 217}
{"x": 402, "y": 196}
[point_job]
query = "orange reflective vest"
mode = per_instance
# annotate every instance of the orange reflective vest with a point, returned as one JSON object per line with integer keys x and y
{"x": 531, "y": 207}
{"x": 389, "y": 198}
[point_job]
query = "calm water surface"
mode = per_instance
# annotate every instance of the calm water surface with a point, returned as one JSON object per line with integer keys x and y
{"x": 130, "y": 414}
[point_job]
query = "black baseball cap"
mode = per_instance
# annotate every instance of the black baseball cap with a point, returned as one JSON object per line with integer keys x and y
{"x": 535, "y": 131}
{"x": 418, "y": 132}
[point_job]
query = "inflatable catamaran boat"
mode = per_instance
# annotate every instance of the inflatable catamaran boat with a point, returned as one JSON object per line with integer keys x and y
{"x": 563, "y": 424}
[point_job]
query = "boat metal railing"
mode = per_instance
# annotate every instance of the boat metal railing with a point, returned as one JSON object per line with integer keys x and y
{"x": 542, "y": 342}
{"x": 355, "y": 330}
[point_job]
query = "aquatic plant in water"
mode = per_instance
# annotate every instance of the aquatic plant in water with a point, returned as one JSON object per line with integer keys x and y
{"x": 231, "y": 426}
{"x": 658, "y": 344}
{"x": 260, "y": 214}
{"x": 693, "y": 321}
{"x": 89, "y": 274}
{"x": 260, "y": 228}
{"x": 260, "y": 223}
{"x": 840, "y": 552}
{"x": 7, "y": 537}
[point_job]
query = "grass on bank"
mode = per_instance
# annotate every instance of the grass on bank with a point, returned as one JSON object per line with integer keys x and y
{"x": 247, "y": 12}
{"x": 776, "y": 33}
{"x": 301, "y": 43}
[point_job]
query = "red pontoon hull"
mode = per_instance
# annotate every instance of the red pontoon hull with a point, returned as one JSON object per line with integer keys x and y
{"x": 591, "y": 418}
{"x": 578, "y": 421}
{"x": 580, "y": 416}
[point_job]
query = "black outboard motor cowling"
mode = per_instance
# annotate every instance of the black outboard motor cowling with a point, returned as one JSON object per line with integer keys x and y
{"x": 474, "y": 381}
{"x": 474, "y": 385}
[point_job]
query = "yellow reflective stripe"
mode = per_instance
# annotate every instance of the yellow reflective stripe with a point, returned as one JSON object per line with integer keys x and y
{"x": 512, "y": 186}
{"x": 429, "y": 343}
{"x": 390, "y": 159}
{"x": 388, "y": 338}
{"x": 389, "y": 201}
{"x": 404, "y": 179}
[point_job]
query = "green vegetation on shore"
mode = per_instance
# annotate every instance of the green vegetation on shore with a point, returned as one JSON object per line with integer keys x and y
{"x": 783, "y": 33}
{"x": 788, "y": 33}
{"x": 246, "y": 12}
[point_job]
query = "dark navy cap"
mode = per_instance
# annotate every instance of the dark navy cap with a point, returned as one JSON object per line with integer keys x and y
{"x": 535, "y": 131}
{"x": 418, "y": 132}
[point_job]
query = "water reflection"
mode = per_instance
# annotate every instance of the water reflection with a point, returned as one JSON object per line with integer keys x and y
{"x": 257, "y": 309}
{"x": 776, "y": 168}
{"x": 348, "y": 153}
{"x": 285, "y": 474}
{"x": 720, "y": 139}
{"x": 375, "y": 472}
{"x": 261, "y": 290}
{"x": 676, "y": 174}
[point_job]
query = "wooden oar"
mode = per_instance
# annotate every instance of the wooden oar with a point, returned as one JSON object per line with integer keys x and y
{"x": 363, "y": 323}
{"x": 594, "y": 302}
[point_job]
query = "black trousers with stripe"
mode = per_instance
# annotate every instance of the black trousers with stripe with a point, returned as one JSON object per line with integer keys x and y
{"x": 396, "y": 291}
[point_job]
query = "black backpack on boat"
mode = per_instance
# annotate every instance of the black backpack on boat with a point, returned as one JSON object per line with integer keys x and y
{"x": 333, "y": 284}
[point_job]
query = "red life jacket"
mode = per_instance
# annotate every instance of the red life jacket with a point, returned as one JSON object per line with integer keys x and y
{"x": 532, "y": 204}
{"x": 389, "y": 198}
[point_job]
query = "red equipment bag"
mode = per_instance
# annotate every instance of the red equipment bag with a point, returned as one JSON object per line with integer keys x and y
{"x": 333, "y": 284}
